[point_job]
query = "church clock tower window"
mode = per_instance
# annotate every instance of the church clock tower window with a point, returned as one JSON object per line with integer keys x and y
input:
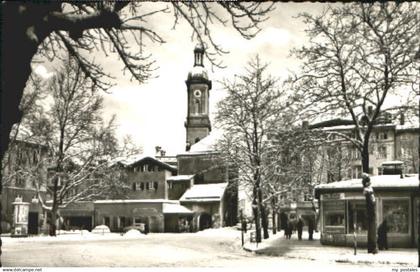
{"x": 198, "y": 86}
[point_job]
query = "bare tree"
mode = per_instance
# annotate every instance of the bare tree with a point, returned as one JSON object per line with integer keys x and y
{"x": 81, "y": 143}
{"x": 79, "y": 27}
{"x": 248, "y": 115}
{"x": 359, "y": 55}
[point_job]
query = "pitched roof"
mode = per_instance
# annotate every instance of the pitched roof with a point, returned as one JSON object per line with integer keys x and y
{"x": 175, "y": 208}
{"x": 115, "y": 201}
{"x": 135, "y": 159}
{"x": 204, "y": 193}
{"x": 180, "y": 177}
{"x": 384, "y": 182}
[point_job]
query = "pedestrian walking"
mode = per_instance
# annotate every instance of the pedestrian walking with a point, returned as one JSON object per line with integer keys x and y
{"x": 289, "y": 229}
{"x": 300, "y": 227}
{"x": 311, "y": 229}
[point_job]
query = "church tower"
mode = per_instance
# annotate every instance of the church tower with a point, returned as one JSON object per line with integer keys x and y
{"x": 198, "y": 86}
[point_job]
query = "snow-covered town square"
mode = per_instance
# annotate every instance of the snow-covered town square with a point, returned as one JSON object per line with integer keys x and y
{"x": 214, "y": 248}
{"x": 210, "y": 134}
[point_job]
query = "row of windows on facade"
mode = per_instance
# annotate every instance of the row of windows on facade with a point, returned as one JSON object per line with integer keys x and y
{"x": 375, "y": 136}
{"x": 147, "y": 168}
{"x": 141, "y": 186}
{"x": 394, "y": 211}
{"x": 23, "y": 156}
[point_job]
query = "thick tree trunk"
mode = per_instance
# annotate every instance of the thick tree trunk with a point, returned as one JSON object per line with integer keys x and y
{"x": 365, "y": 160}
{"x": 53, "y": 223}
{"x": 257, "y": 221}
{"x": 264, "y": 221}
{"x": 274, "y": 221}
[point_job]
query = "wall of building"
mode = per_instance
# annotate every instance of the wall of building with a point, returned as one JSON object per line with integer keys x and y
{"x": 200, "y": 208}
{"x": 207, "y": 168}
{"x": 407, "y": 146}
{"x": 143, "y": 182}
{"x": 149, "y": 213}
{"x": 177, "y": 188}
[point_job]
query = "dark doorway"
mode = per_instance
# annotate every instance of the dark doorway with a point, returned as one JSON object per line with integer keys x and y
{"x": 79, "y": 222}
{"x": 33, "y": 223}
{"x": 205, "y": 221}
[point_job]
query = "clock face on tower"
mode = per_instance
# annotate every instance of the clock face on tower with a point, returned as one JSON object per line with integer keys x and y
{"x": 197, "y": 93}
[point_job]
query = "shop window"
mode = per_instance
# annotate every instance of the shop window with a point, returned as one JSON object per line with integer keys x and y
{"x": 396, "y": 214}
{"x": 334, "y": 218}
{"x": 357, "y": 217}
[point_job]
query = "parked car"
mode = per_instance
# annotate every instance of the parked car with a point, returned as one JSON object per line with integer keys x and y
{"x": 101, "y": 229}
{"x": 137, "y": 226}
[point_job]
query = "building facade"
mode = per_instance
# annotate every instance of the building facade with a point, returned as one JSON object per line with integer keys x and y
{"x": 343, "y": 214}
{"x": 23, "y": 165}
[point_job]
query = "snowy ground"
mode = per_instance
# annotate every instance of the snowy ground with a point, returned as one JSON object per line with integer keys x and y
{"x": 214, "y": 248}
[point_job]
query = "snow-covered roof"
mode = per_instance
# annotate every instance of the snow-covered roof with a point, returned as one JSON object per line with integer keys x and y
{"x": 131, "y": 160}
{"x": 180, "y": 177}
{"x": 378, "y": 182}
{"x": 175, "y": 208}
{"x": 205, "y": 145}
{"x": 392, "y": 162}
{"x": 205, "y": 192}
{"x": 118, "y": 201}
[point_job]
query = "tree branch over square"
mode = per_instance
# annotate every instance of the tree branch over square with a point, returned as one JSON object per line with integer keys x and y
{"x": 360, "y": 56}
{"x": 54, "y": 29}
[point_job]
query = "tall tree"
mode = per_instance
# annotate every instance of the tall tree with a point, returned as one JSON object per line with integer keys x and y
{"x": 48, "y": 29}
{"x": 82, "y": 143}
{"x": 358, "y": 56}
{"x": 248, "y": 115}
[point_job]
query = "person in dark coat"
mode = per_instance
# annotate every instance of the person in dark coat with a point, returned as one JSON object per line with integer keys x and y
{"x": 289, "y": 229}
{"x": 300, "y": 228}
{"x": 311, "y": 229}
{"x": 382, "y": 236}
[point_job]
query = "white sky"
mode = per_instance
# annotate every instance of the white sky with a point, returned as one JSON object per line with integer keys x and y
{"x": 154, "y": 113}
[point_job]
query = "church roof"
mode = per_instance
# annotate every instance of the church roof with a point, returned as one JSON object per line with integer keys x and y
{"x": 208, "y": 143}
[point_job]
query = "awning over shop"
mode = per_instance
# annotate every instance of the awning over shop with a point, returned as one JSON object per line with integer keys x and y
{"x": 171, "y": 208}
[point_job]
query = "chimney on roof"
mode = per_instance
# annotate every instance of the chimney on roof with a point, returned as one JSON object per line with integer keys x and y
{"x": 162, "y": 153}
{"x": 158, "y": 150}
{"x": 305, "y": 124}
{"x": 402, "y": 118}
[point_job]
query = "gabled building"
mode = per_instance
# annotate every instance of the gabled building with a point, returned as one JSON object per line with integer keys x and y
{"x": 25, "y": 161}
